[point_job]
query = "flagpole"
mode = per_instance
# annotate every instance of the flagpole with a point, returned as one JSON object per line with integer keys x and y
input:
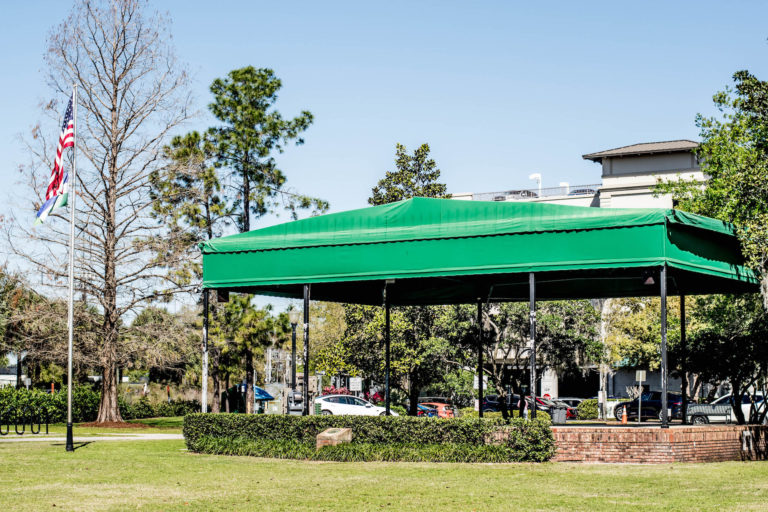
{"x": 71, "y": 309}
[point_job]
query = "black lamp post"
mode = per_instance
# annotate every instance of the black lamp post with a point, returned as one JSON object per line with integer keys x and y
{"x": 294, "y": 316}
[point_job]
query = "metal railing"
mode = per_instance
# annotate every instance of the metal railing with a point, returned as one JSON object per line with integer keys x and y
{"x": 530, "y": 194}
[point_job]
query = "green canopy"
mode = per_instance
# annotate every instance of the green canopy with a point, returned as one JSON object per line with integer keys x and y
{"x": 443, "y": 251}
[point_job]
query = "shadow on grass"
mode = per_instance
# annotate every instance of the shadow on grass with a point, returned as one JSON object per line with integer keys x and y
{"x": 76, "y": 446}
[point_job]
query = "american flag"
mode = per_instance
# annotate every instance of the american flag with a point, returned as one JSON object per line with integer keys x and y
{"x": 66, "y": 140}
{"x": 56, "y": 194}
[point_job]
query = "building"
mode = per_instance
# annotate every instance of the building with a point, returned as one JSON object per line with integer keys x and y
{"x": 629, "y": 174}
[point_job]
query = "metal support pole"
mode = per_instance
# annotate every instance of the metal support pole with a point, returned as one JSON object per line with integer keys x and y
{"x": 293, "y": 357}
{"x": 664, "y": 369}
{"x": 71, "y": 198}
{"x": 480, "y": 355}
{"x": 683, "y": 361}
{"x": 532, "y": 320}
{"x": 386, "y": 352}
{"x": 204, "y": 391}
{"x": 306, "y": 350}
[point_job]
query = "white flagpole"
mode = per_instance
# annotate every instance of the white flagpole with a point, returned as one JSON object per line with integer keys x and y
{"x": 71, "y": 309}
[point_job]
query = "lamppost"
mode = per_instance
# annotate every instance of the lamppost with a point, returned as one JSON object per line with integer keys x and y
{"x": 294, "y": 316}
{"x": 537, "y": 177}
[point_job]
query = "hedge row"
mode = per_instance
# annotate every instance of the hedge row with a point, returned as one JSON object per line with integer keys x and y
{"x": 236, "y": 433}
{"x": 16, "y": 404}
{"x": 362, "y": 452}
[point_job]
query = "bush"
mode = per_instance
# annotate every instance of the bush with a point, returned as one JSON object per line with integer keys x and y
{"x": 470, "y": 412}
{"x": 587, "y": 409}
{"x": 19, "y": 404}
{"x": 361, "y": 452}
{"x": 381, "y": 436}
{"x": 16, "y": 404}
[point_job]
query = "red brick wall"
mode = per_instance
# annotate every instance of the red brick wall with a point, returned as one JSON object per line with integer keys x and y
{"x": 654, "y": 445}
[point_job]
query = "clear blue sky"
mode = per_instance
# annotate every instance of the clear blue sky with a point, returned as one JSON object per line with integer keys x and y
{"x": 498, "y": 90}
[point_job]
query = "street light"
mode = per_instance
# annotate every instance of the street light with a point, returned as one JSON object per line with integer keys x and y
{"x": 294, "y": 316}
{"x": 536, "y": 176}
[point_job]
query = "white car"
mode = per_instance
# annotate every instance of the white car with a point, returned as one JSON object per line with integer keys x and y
{"x": 745, "y": 404}
{"x": 345, "y": 404}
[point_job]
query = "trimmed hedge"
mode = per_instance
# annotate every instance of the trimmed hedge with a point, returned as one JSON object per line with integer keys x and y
{"x": 362, "y": 452}
{"x": 374, "y": 437}
{"x": 470, "y": 412}
{"x": 16, "y": 404}
{"x": 587, "y": 409}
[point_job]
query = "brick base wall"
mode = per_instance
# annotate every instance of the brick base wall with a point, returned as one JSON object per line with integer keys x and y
{"x": 654, "y": 445}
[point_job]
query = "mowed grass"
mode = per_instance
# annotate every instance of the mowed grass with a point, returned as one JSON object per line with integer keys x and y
{"x": 162, "y": 475}
{"x": 172, "y": 425}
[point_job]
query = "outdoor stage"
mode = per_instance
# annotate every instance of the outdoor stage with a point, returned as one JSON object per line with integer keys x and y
{"x": 654, "y": 445}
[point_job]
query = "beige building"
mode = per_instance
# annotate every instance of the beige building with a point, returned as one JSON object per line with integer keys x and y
{"x": 628, "y": 176}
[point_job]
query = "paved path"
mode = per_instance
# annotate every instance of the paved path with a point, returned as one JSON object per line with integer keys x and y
{"x": 82, "y": 439}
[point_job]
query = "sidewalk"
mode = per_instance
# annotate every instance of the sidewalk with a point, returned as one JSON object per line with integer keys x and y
{"x": 81, "y": 439}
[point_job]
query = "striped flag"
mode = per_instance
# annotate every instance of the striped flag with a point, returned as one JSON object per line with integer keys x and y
{"x": 58, "y": 186}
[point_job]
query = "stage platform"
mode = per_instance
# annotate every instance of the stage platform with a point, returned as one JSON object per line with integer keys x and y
{"x": 654, "y": 445}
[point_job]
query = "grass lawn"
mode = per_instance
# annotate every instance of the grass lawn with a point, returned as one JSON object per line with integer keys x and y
{"x": 172, "y": 425}
{"x": 162, "y": 475}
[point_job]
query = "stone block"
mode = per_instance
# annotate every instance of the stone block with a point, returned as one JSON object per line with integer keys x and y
{"x": 334, "y": 436}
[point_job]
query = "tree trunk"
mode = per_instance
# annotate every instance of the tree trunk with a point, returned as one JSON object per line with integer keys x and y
{"x": 413, "y": 400}
{"x": 249, "y": 381}
{"x": 226, "y": 389}
{"x": 108, "y": 408}
{"x": 503, "y": 402}
{"x": 216, "y": 403}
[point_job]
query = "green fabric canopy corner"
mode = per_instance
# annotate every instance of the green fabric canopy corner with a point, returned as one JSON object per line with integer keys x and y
{"x": 444, "y": 251}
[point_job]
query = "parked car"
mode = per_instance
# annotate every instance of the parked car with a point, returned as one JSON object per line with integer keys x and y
{"x": 491, "y": 403}
{"x": 571, "y": 401}
{"x": 424, "y": 411}
{"x": 547, "y": 404}
{"x": 746, "y": 405}
{"x": 651, "y": 404}
{"x": 443, "y": 410}
{"x": 351, "y": 405}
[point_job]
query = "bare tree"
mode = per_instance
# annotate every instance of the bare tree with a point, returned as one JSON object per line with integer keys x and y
{"x": 132, "y": 93}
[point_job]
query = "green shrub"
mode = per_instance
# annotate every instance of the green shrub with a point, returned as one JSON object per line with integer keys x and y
{"x": 360, "y": 452}
{"x": 469, "y": 412}
{"x": 19, "y": 404}
{"x": 235, "y": 433}
{"x": 15, "y": 404}
{"x": 399, "y": 409}
{"x": 587, "y": 409}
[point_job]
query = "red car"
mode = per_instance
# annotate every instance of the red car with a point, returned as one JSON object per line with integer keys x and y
{"x": 443, "y": 410}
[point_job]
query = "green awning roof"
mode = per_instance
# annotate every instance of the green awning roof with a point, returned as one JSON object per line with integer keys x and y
{"x": 449, "y": 251}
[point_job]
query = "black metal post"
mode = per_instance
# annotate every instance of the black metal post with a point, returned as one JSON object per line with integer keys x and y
{"x": 683, "y": 361}
{"x": 386, "y": 351}
{"x": 664, "y": 369}
{"x": 480, "y": 355}
{"x": 293, "y": 357}
{"x": 204, "y": 390}
{"x": 532, "y": 320}
{"x": 306, "y": 350}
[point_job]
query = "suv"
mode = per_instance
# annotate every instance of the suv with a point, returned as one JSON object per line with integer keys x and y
{"x": 651, "y": 405}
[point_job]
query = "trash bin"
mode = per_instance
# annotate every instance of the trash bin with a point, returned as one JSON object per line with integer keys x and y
{"x": 558, "y": 415}
{"x": 317, "y": 408}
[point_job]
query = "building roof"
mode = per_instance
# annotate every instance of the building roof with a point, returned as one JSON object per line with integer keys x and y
{"x": 644, "y": 148}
